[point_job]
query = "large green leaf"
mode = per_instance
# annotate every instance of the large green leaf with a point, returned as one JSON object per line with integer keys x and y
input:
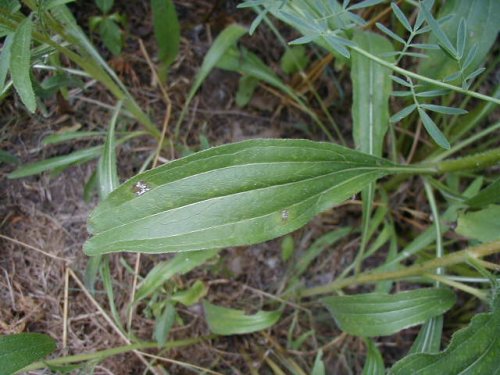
{"x": 371, "y": 91}
{"x": 473, "y": 350}
{"x": 225, "y": 321}
{"x": 481, "y": 17}
{"x": 482, "y": 225}
{"x": 18, "y": 351}
{"x": 166, "y": 29}
{"x": 376, "y": 314}
{"x": 232, "y": 195}
{"x": 20, "y": 66}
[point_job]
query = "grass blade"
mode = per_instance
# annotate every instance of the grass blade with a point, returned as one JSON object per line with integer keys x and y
{"x": 20, "y": 65}
{"x": 225, "y": 321}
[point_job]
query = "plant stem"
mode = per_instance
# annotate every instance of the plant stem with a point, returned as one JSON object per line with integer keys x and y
{"x": 476, "y": 161}
{"x": 100, "y": 355}
{"x": 415, "y": 270}
{"x": 423, "y": 78}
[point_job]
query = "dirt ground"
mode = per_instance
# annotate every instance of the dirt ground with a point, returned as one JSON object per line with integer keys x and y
{"x": 43, "y": 218}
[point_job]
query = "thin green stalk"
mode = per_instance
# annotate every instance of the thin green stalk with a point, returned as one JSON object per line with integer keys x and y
{"x": 458, "y": 257}
{"x": 458, "y": 285}
{"x": 437, "y": 223}
{"x": 476, "y": 161}
{"x": 425, "y": 79}
{"x": 100, "y": 355}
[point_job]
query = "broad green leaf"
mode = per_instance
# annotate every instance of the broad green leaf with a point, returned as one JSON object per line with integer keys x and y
{"x": 7, "y": 157}
{"x": 164, "y": 324}
{"x": 192, "y": 295}
{"x": 237, "y": 194}
{"x": 473, "y": 350}
{"x": 111, "y": 35}
{"x": 376, "y": 314}
{"x": 166, "y": 30}
{"x": 164, "y": 271}
{"x": 5, "y": 60}
{"x": 107, "y": 174}
{"x": 246, "y": 87}
{"x": 374, "y": 364}
{"x": 77, "y": 157}
{"x": 294, "y": 59}
{"x": 490, "y": 194}
{"x": 433, "y": 130}
{"x": 481, "y": 18}
{"x": 483, "y": 225}
{"x": 226, "y": 39}
{"x": 225, "y": 321}
{"x": 429, "y": 336}
{"x": 319, "y": 366}
{"x": 20, "y": 350}
{"x": 20, "y": 65}
{"x": 371, "y": 91}
{"x": 104, "y": 5}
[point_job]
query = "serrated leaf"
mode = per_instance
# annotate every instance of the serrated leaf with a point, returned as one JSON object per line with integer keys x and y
{"x": 225, "y": 321}
{"x": 374, "y": 364}
{"x": 481, "y": 17}
{"x": 20, "y": 65}
{"x": 473, "y": 350}
{"x": 182, "y": 263}
{"x": 80, "y": 156}
{"x": 405, "y": 112}
{"x": 376, "y": 314}
{"x": 433, "y": 130}
{"x": 19, "y": 350}
{"x": 111, "y": 35}
{"x": 166, "y": 30}
{"x": 482, "y": 225}
{"x": 401, "y": 17}
{"x": 237, "y": 194}
{"x": 371, "y": 91}
{"x": 443, "y": 109}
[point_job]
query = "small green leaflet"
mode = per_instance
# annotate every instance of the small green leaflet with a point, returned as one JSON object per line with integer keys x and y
{"x": 20, "y": 65}
{"x": 232, "y": 195}
{"x": 377, "y": 314}
{"x": 473, "y": 350}
{"x": 225, "y": 321}
{"x": 20, "y": 350}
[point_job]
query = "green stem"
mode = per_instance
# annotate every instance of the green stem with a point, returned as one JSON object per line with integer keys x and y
{"x": 423, "y": 78}
{"x": 100, "y": 355}
{"x": 415, "y": 270}
{"x": 476, "y": 161}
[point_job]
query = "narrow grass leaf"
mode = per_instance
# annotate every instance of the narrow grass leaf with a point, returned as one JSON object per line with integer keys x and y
{"x": 20, "y": 65}
{"x": 164, "y": 324}
{"x": 227, "y": 38}
{"x": 319, "y": 366}
{"x": 375, "y": 314}
{"x": 482, "y": 225}
{"x": 405, "y": 112}
{"x": 7, "y": 157}
{"x": 256, "y": 190}
{"x": 225, "y": 321}
{"x": 69, "y": 136}
{"x": 19, "y": 350}
{"x": 5, "y": 60}
{"x": 182, "y": 263}
{"x": 443, "y": 109}
{"x": 401, "y": 17}
{"x": 80, "y": 156}
{"x": 429, "y": 337}
{"x": 166, "y": 30}
{"x": 374, "y": 364}
{"x": 472, "y": 350}
{"x": 433, "y": 130}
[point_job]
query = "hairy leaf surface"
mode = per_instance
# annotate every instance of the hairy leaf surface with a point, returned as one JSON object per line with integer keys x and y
{"x": 232, "y": 195}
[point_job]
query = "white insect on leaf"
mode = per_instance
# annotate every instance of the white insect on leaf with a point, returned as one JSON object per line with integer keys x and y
{"x": 140, "y": 188}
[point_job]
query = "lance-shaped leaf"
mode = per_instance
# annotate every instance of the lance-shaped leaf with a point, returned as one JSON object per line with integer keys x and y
{"x": 376, "y": 314}
{"x": 473, "y": 350}
{"x": 225, "y": 321}
{"x": 18, "y": 351}
{"x": 232, "y": 195}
